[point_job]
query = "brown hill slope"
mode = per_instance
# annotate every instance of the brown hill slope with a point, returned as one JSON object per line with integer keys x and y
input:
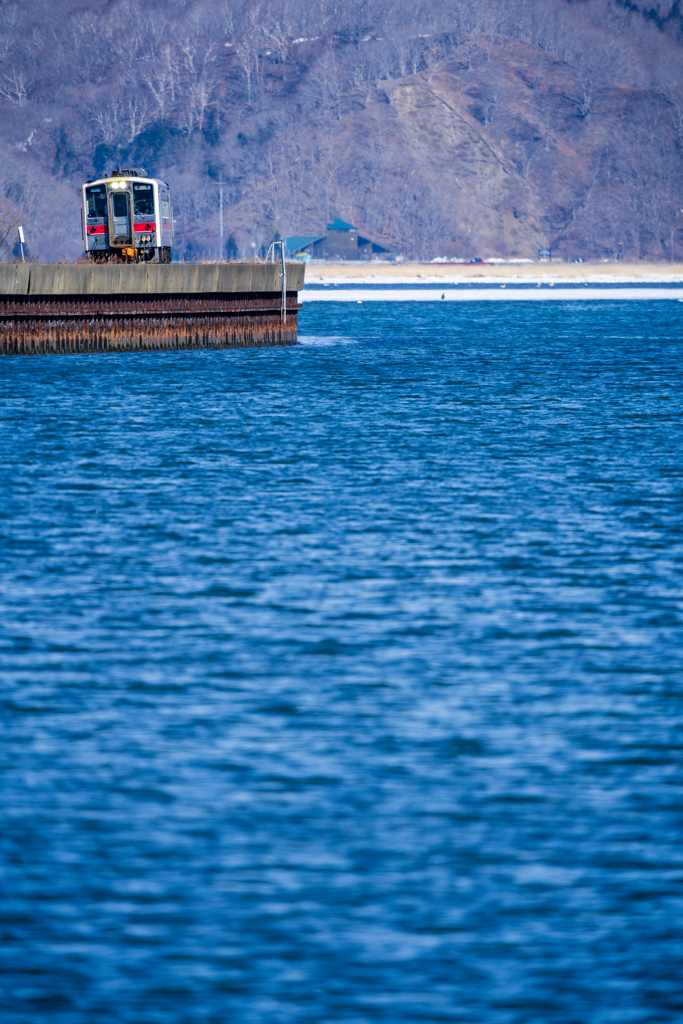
{"x": 445, "y": 128}
{"x": 501, "y": 161}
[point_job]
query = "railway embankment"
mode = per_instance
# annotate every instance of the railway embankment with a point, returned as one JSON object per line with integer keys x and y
{"x": 69, "y": 308}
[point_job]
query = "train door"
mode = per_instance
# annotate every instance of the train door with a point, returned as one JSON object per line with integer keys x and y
{"x": 120, "y": 205}
{"x": 96, "y": 223}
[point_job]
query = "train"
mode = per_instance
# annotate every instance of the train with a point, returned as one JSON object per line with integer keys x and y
{"x": 127, "y": 218}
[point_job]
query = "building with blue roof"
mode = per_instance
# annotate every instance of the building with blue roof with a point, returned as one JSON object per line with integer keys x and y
{"x": 342, "y": 241}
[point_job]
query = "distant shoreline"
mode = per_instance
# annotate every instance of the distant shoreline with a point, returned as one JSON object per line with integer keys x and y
{"x": 424, "y": 272}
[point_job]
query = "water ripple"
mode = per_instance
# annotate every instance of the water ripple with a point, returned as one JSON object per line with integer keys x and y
{"x": 343, "y": 683}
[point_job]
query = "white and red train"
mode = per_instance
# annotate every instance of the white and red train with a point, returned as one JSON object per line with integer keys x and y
{"x": 127, "y": 216}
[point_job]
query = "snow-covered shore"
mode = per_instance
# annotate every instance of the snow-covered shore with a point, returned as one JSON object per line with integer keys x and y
{"x": 486, "y": 273}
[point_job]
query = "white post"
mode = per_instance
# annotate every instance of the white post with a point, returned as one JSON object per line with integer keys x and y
{"x": 21, "y": 243}
{"x": 272, "y": 251}
{"x": 220, "y": 216}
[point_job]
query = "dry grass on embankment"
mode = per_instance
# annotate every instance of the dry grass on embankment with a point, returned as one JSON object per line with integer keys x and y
{"x": 427, "y": 271}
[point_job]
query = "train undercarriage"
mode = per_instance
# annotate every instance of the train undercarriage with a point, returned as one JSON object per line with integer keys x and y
{"x": 129, "y": 254}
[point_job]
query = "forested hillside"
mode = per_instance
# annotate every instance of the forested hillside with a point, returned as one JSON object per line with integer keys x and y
{"x": 451, "y": 128}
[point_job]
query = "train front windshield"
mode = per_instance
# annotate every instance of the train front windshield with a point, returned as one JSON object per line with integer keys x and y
{"x": 96, "y": 201}
{"x": 143, "y": 200}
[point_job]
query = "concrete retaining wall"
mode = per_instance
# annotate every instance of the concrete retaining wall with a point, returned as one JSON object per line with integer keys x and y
{"x": 146, "y": 278}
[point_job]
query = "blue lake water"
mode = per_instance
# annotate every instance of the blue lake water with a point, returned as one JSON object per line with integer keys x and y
{"x": 344, "y": 682}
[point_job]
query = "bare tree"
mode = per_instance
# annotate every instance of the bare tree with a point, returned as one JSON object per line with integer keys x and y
{"x": 109, "y": 120}
{"x": 14, "y": 87}
{"x": 10, "y": 218}
{"x": 135, "y": 116}
{"x": 161, "y": 79}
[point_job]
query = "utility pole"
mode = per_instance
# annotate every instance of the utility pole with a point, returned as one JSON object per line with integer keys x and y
{"x": 220, "y": 211}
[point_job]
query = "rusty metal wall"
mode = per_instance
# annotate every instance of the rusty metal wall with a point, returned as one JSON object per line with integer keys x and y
{"x": 35, "y": 324}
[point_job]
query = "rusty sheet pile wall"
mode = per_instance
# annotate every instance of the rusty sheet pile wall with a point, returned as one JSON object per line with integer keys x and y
{"x": 114, "y": 308}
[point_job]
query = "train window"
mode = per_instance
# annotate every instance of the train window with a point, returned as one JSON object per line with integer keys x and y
{"x": 96, "y": 200}
{"x": 120, "y": 204}
{"x": 143, "y": 198}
